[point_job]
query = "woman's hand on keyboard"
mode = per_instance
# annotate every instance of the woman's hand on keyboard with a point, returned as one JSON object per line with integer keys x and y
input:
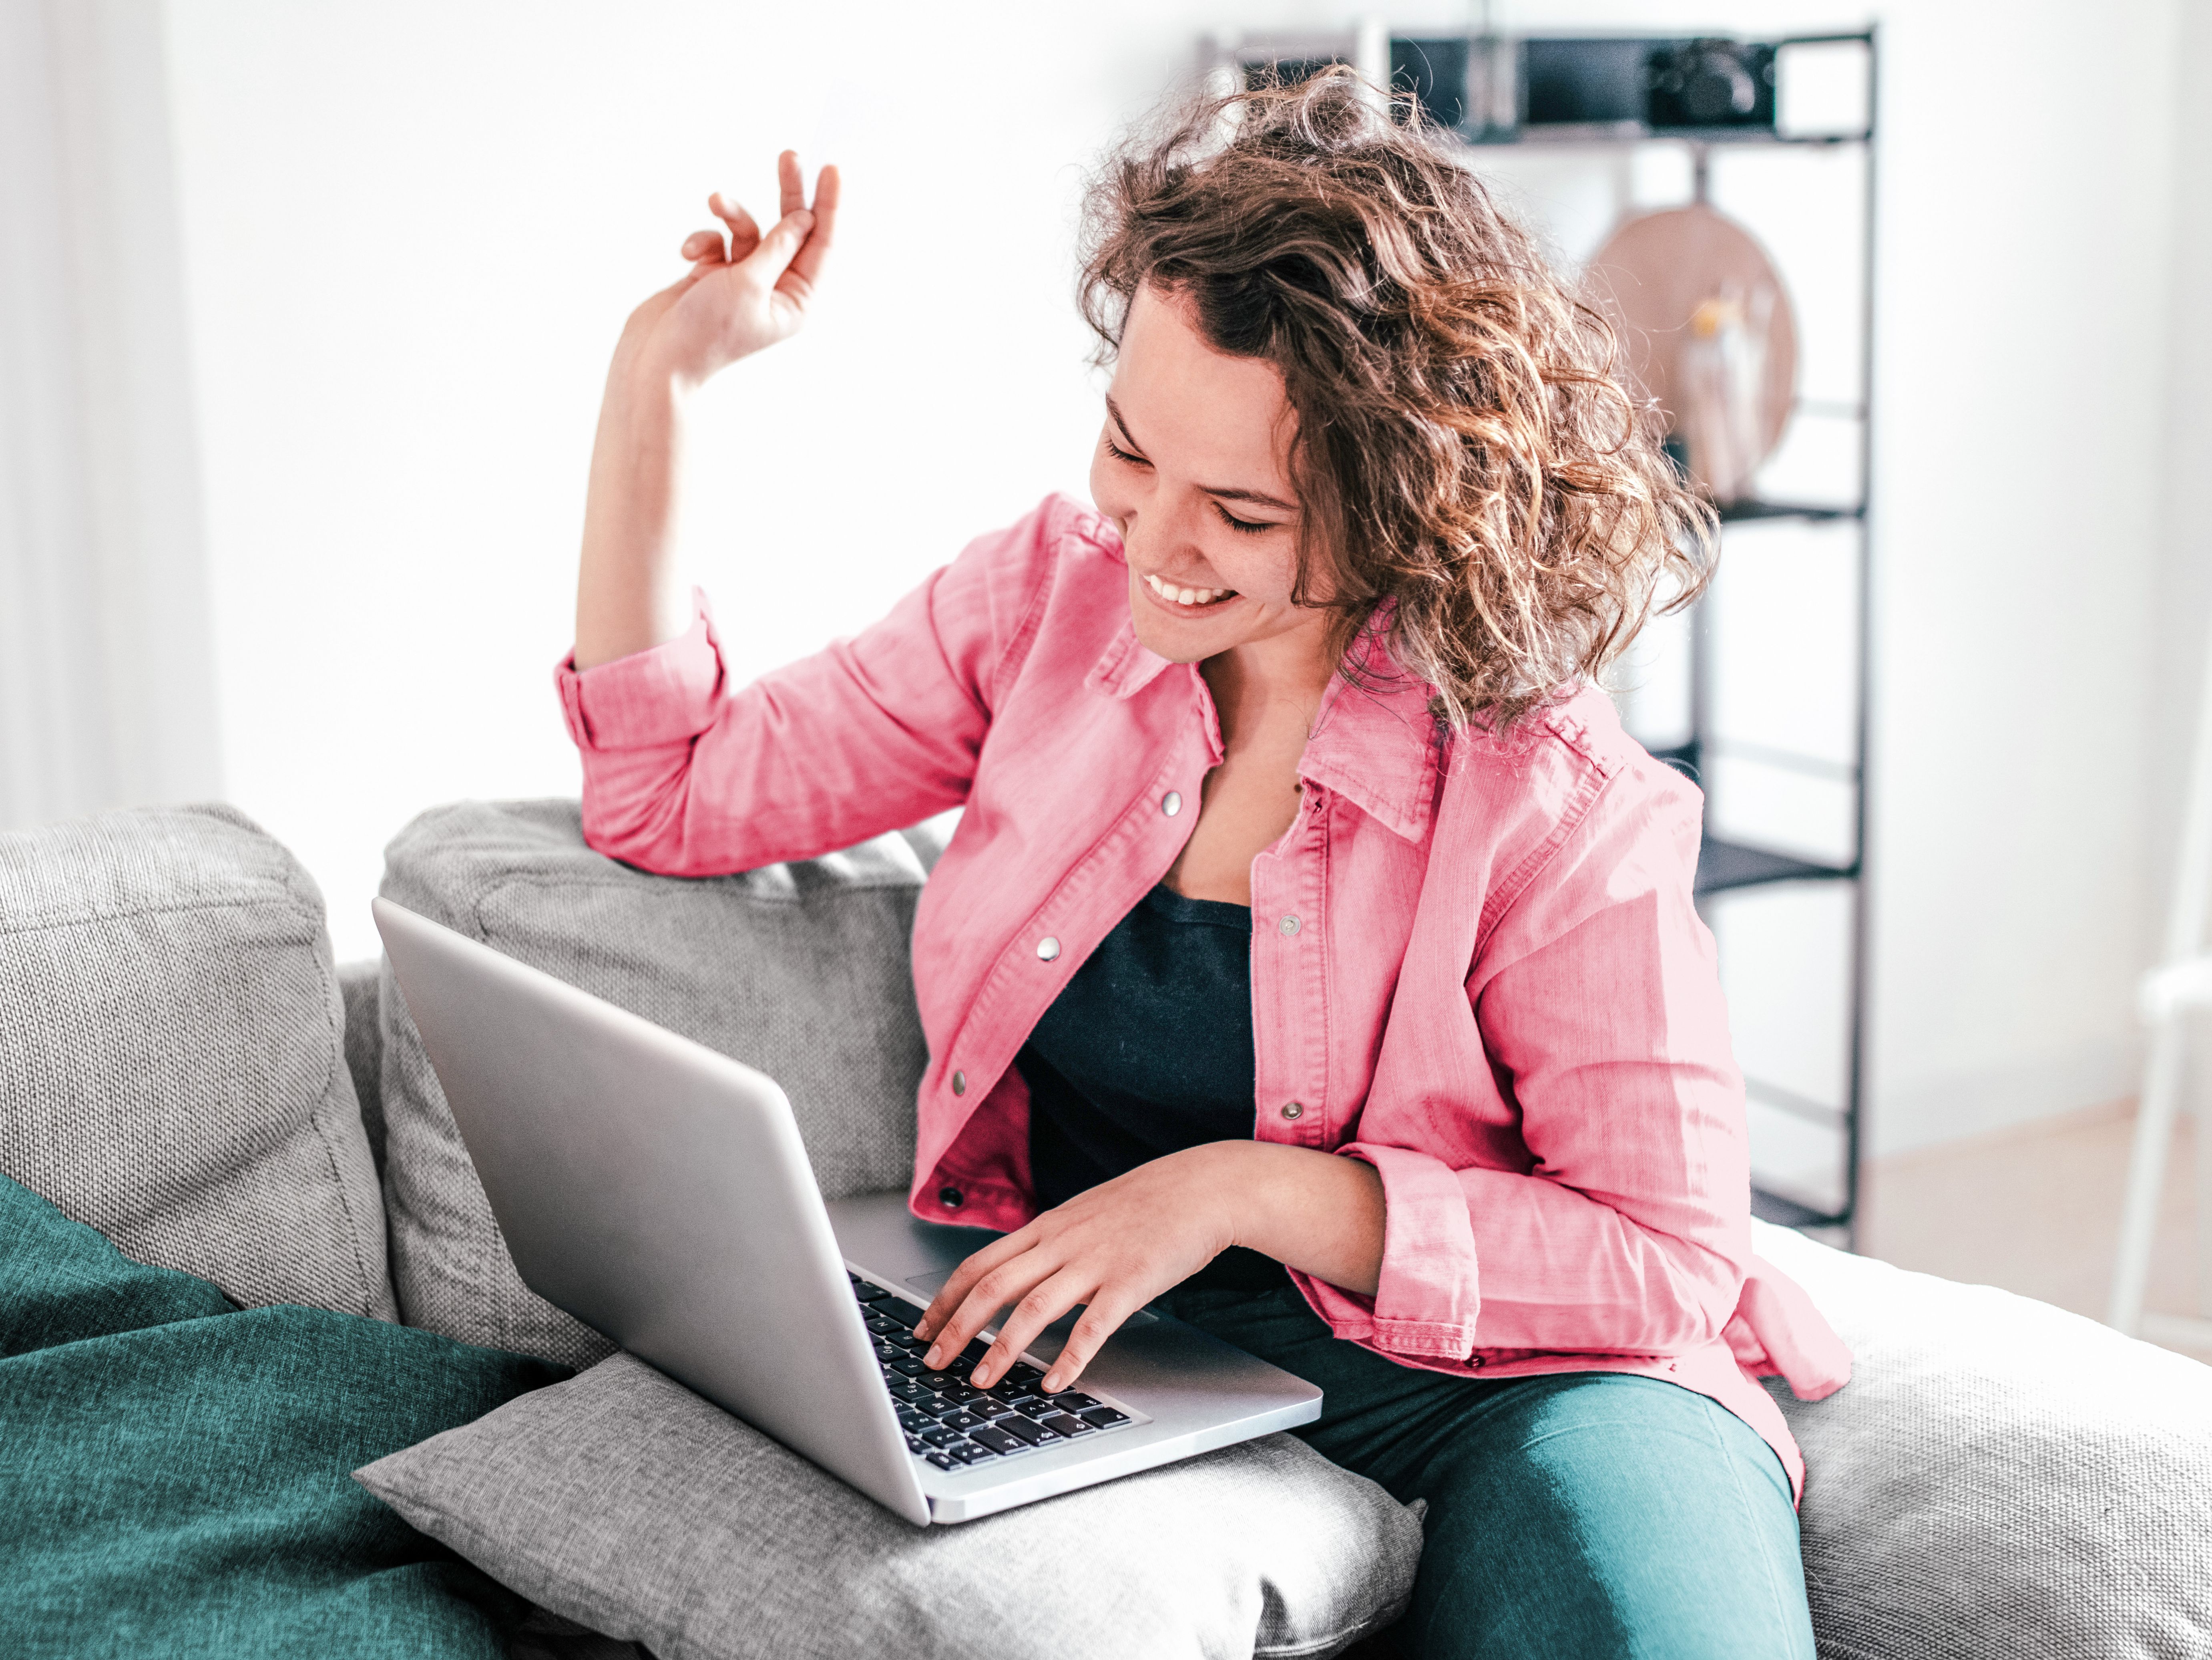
{"x": 1114, "y": 1248}
{"x": 1118, "y": 1246}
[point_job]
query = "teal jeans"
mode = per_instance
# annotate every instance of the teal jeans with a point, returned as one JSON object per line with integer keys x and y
{"x": 1582, "y": 1514}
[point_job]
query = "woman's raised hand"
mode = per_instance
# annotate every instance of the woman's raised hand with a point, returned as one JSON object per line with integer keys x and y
{"x": 744, "y": 290}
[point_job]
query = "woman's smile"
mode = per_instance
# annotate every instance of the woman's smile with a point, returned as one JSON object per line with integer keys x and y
{"x": 1185, "y": 601}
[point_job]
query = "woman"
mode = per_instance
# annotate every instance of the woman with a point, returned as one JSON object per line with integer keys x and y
{"x": 1316, "y": 955}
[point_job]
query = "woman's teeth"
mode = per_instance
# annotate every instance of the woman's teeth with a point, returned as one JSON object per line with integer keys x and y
{"x": 1175, "y": 595}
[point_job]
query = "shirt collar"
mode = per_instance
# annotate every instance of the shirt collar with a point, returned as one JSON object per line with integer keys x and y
{"x": 1126, "y": 666}
{"x": 1374, "y": 742}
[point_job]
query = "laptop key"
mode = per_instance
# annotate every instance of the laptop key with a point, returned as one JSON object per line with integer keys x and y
{"x": 991, "y": 1435}
{"x": 963, "y": 1392}
{"x": 896, "y": 1310}
{"x": 939, "y": 1381}
{"x": 881, "y": 1327}
{"x": 944, "y": 1461}
{"x": 907, "y": 1342}
{"x": 907, "y": 1367}
{"x": 941, "y": 1436}
{"x": 1073, "y": 1400}
{"x": 937, "y": 1409}
{"x": 961, "y": 1421}
{"x": 911, "y": 1391}
{"x": 1104, "y": 1418}
{"x": 1018, "y": 1426}
{"x": 1023, "y": 1372}
{"x": 868, "y": 1293}
{"x": 970, "y": 1454}
{"x": 1067, "y": 1427}
{"x": 913, "y": 1444}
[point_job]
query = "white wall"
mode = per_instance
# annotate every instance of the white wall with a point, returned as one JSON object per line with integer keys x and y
{"x": 106, "y": 680}
{"x": 411, "y": 232}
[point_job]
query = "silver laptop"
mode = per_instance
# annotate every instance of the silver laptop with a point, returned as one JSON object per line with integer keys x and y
{"x": 658, "y": 1191}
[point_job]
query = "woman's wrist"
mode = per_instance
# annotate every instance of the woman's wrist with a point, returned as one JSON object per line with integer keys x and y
{"x": 1316, "y": 1212}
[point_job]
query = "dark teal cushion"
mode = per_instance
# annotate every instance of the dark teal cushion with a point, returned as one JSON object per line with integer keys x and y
{"x": 174, "y": 1472}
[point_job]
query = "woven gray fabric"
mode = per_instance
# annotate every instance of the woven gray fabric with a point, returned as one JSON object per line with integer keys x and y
{"x": 623, "y": 1501}
{"x": 359, "y": 986}
{"x": 171, "y": 1066}
{"x": 798, "y": 970}
{"x": 2000, "y": 1479}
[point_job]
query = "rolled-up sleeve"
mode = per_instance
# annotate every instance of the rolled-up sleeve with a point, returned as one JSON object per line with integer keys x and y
{"x": 687, "y": 773}
{"x": 649, "y": 700}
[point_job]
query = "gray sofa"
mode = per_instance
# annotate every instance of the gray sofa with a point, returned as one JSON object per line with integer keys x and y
{"x": 182, "y": 1068}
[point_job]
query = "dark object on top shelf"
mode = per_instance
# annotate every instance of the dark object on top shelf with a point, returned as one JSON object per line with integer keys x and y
{"x": 1665, "y": 86}
{"x": 1585, "y": 83}
{"x": 1711, "y": 83}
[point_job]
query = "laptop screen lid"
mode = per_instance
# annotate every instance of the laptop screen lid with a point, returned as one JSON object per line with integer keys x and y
{"x": 659, "y": 1191}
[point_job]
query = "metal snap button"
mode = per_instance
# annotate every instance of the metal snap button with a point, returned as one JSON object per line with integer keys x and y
{"x": 1294, "y": 1110}
{"x": 950, "y": 1198}
{"x": 1048, "y": 948}
{"x": 1172, "y": 803}
{"x": 1289, "y": 925}
{"x": 960, "y": 1083}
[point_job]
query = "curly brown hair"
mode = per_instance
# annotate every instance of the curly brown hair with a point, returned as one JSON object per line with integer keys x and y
{"x": 1476, "y": 484}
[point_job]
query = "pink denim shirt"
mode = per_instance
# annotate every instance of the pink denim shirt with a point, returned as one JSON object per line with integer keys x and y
{"x": 1475, "y": 964}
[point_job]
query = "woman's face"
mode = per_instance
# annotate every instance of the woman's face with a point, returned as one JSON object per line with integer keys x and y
{"x": 1193, "y": 465}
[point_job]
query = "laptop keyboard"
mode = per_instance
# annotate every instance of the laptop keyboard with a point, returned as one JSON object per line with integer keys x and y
{"x": 948, "y": 1421}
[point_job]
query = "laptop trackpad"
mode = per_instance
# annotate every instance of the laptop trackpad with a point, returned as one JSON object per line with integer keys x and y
{"x": 1047, "y": 1343}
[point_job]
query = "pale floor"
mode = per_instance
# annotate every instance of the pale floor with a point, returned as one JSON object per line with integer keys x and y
{"x": 2034, "y": 1210}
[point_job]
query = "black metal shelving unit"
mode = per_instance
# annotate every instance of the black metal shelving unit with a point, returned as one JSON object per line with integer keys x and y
{"x": 1725, "y": 866}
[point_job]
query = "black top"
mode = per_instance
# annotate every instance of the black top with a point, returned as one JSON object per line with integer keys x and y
{"x": 1148, "y": 1050}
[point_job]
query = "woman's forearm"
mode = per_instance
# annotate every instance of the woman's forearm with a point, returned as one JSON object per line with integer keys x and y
{"x": 1316, "y": 1212}
{"x": 628, "y": 597}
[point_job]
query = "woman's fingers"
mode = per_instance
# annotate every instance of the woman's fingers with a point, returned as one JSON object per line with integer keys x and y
{"x": 1100, "y": 1321}
{"x": 790, "y": 184}
{"x": 1004, "y": 1282}
{"x": 1042, "y": 1304}
{"x": 779, "y": 246}
{"x": 703, "y": 245}
{"x": 954, "y": 1292}
{"x": 745, "y": 230}
{"x": 807, "y": 266}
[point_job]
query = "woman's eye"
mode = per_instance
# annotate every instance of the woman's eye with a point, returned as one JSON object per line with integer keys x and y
{"x": 1120, "y": 454}
{"x": 1244, "y": 526}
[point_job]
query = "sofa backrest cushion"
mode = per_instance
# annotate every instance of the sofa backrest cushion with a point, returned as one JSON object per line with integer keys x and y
{"x": 801, "y": 970}
{"x": 172, "y": 1069}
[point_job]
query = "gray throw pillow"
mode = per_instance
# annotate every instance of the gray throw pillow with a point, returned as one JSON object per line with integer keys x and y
{"x": 2000, "y": 1478}
{"x": 622, "y": 1500}
{"x": 172, "y": 1064}
{"x": 798, "y": 969}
